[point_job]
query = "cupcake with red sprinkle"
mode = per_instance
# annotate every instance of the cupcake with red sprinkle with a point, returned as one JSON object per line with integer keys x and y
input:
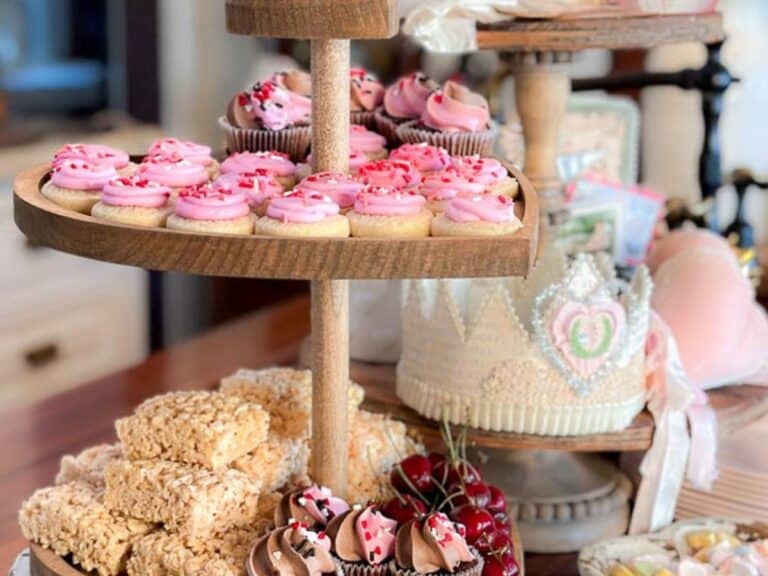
{"x": 172, "y": 171}
{"x": 278, "y": 163}
{"x": 389, "y": 212}
{"x": 134, "y": 200}
{"x": 303, "y": 214}
{"x": 482, "y": 215}
{"x": 259, "y": 186}
{"x": 96, "y": 154}
{"x": 440, "y": 188}
{"x": 76, "y": 184}
{"x": 268, "y": 116}
{"x": 208, "y": 208}
{"x": 426, "y": 158}
{"x": 363, "y": 540}
{"x": 454, "y": 118}
{"x": 404, "y": 101}
{"x": 389, "y": 173}
{"x": 365, "y": 95}
{"x": 342, "y": 188}
{"x": 188, "y": 150}
{"x": 489, "y": 171}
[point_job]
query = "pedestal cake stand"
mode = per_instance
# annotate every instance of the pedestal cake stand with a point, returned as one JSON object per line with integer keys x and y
{"x": 328, "y": 263}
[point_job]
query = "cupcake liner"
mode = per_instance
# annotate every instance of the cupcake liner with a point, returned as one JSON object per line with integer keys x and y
{"x": 364, "y": 118}
{"x": 387, "y": 127}
{"x": 363, "y": 568}
{"x": 474, "y": 568}
{"x": 456, "y": 143}
{"x": 293, "y": 141}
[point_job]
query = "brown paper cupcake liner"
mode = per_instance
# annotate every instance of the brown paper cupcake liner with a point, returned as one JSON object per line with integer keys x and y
{"x": 474, "y": 568}
{"x": 363, "y": 568}
{"x": 293, "y": 141}
{"x": 364, "y": 118}
{"x": 387, "y": 127}
{"x": 456, "y": 143}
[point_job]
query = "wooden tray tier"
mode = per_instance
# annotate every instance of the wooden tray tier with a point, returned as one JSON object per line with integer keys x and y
{"x": 736, "y": 406}
{"x": 612, "y": 33}
{"x": 270, "y": 257}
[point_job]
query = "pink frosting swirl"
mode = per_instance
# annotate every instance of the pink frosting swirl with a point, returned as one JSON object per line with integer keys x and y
{"x": 259, "y": 185}
{"x": 276, "y": 162}
{"x": 94, "y": 153}
{"x": 81, "y": 175}
{"x": 449, "y": 184}
{"x": 456, "y": 109}
{"x": 302, "y": 208}
{"x": 192, "y": 151}
{"x": 388, "y": 201}
{"x": 481, "y": 208}
{"x": 425, "y": 157}
{"x": 173, "y": 171}
{"x": 395, "y": 173}
{"x": 341, "y": 187}
{"x": 485, "y": 170}
{"x": 364, "y": 140}
{"x": 407, "y": 97}
{"x": 356, "y": 160}
{"x": 366, "y": 92}
{"x": 135, "y": 191}
{"x": 207, "y": 202}
{"x": 267, "y": 105}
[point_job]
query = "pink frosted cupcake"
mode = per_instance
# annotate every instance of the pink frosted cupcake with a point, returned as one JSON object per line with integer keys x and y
{"x": 403, "y": 101}
{"x": 207, "y": 208}
{"x": 76, "y": 184}
{"x": 275, "y": 162}
{"x": 96, "y": 154}
{"x": 192, "y": 151}
{"x": 268, "y": 117}
{"x": 172, "y": 171}
{"x": 259, "y": 186}
{"x": 440, "y": 188}
{"x": 301, "y": 214}
{"x": 314, "y": 506}
{"x": 426, "y": 158}
{"x": 297, "y": 82}
{"x": 292, "y": 550}
{"x": 487, "y": 170}
{"x": 342, "y": 188}
{"x": 133, "y": 200}
{"x": 365, "y": 95}
{"x": 356, "y": 160}
{"x": 388, "y": 212}
{"x": 484, "y": 215}
{"x": 363, "y": 540}
{"x": 368, "y": 142}
{"x": 454, "y": 118}
{"x": 394, "y": 173}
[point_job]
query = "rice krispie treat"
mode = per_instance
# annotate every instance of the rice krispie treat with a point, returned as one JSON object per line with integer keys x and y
{"x": 165, "y": 554}
{"x": 71, "y": 519}
{"x": 88, "y": 466}
{"x": 274, "y": 462}
{"x": 195, "y": 502}
{"x": 206, "y": 428}
{"x": 286, "y": 393}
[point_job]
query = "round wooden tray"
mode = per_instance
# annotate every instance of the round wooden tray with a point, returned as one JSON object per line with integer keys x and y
{"x": 613, "y": 33}
{"x": 270, "y": 257}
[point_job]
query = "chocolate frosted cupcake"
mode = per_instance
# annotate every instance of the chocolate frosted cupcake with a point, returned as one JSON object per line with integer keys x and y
{"x": 314, "y": 506}
{"x": 365, "y": 95}
{"x": 454, "y": 118}
{"x": 292, "y": 550}
{"x": 268, "y": 117}
{"x": 404, "y": 100}
{"x": 434, "y": 545}
{"x": 363, "y": 541}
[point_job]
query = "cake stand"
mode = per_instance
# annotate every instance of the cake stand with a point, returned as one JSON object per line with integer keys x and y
{"x": 328, "y": 263}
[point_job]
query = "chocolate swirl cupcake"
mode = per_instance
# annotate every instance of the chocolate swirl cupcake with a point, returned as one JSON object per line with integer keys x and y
{"x": 291, "y": 550}
{"x": 363, "y": 541}
{"x": 315, "y": 506}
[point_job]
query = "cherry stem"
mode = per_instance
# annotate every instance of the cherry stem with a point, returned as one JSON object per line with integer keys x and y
{"x": 410, "y": 485}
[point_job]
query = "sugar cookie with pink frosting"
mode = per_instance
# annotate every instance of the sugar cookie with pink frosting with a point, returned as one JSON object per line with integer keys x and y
{"x": 454, "y": 118}
{"x": 356, "y": 160}
{"x": 440, "y": 188}
{"x": 389, "y": 173}
{"x": 76, "y": 184}
{"x": 278, "y": 163}
{"x": 389, "y": 212}
{"x": 482, "y": 215}
{"x": 365, "y": 95}
{"x": 489, "y": 171}
{"x": 172, "y": 171}
{"x": 426, "y": 158}
{"x": 96, "y": 154}
{"x": 188, "y": 150}
{"x": 373, "y": 145}
{"x": 133, "y": 200}
{"x": 259, "y": 186}
{"x": 303, "y": 214}
{"x": 208, "y": 208}
{"x": 343, "y": 188}
{"x": 403, "y": 101}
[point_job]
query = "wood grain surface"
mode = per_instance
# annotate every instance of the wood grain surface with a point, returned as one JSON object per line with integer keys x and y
{"x": 313, "y": 18}
{"x": 611, "y": 33}
{"x": 271, "y": 257}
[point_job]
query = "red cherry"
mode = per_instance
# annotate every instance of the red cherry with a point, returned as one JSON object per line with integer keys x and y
{"x": 498, "y": 502}
{"x": 491, "y": 542}
{"x": 476, "y": 493}
{"x": 456, "y": 471}
{"x": 404, "y": 509}
{"x": 436, "y": 459}
{"x": 476, "y": 521}
{"x": 494, "y": 567}
{"x": 509, "y": 562}
{"x": 418, "y": 470}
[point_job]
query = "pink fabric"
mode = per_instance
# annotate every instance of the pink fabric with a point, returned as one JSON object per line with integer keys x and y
{"x": 302, "y": 208}
{"x": 364, "y": 140}
{"x": 95, "y": 153}
{"x": 387, "y": 201}
{"x": 81, "y": 175}
{"x": 135, "y": 191}
{"x": 485, "y": 170}
{"x": 407, "y": 97}
{"x": 172, "y": 171}
{"x": 702, "y": 295}
{"x": 192, "y": 151}
{"x": 481, "y": 208}
{"x": 449, "y": 184}
{"x": 387, "y": 173}
{"x": 276, "y": 162}
{"x": 341, "y": 187}
{"x": 456, "y": 109}
{"x": 206, "y": 202}
{"x": 424, "y": 157}
{"x": 258, "y": 186}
